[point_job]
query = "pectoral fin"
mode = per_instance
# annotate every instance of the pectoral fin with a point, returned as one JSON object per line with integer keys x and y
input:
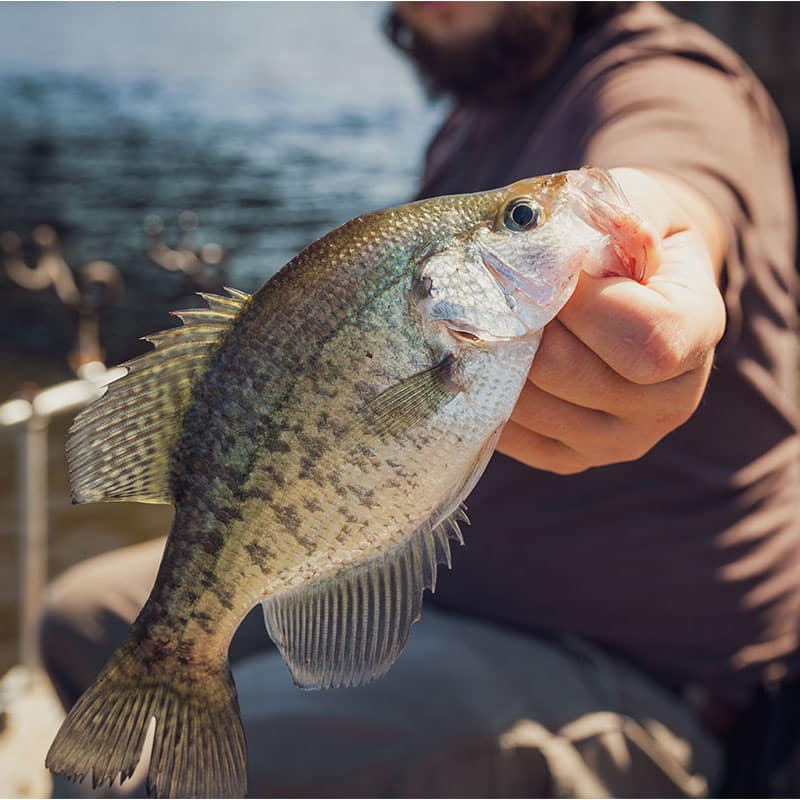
{"x": 410, "y": 402}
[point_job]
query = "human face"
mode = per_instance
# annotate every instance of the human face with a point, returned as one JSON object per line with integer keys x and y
{"x": 450, "y": 22}
{"x": 482, "y": 52}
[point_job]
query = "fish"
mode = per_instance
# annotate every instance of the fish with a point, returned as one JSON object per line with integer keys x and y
{"x": 317, "y": 440}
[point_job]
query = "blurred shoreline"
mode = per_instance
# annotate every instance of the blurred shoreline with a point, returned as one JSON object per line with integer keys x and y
{"x": 112, "y": 114}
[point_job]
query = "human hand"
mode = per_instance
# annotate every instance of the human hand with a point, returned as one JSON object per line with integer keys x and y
{"x": 625, "y": 363}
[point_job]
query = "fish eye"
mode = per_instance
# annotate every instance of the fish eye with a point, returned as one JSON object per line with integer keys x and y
{"x": 521, "y": 215}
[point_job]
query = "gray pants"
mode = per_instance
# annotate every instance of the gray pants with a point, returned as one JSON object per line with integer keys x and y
{"x": 469, "y": 709}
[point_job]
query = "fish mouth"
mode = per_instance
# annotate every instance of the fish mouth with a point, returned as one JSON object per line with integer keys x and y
{"x": 529, "y": 299}
{"x": 599, "y": 184}
{"x": 512, "y": 282}
{"x": 600, "y": 202}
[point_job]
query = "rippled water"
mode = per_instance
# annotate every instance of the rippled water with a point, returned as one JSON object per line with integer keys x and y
{"x": 273, "y": 122}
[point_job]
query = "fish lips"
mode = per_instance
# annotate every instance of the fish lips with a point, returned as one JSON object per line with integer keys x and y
{"x": 531, "y": 305}
{"x": 599, "y": 201}
{"x": 473, "y": 326}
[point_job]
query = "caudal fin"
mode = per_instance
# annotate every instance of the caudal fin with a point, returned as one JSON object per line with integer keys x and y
{"x": 199, "y": 747}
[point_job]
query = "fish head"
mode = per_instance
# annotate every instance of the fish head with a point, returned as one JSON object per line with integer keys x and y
{"x": 519, "y": 263}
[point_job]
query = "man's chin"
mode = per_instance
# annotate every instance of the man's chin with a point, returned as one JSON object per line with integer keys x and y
{"x": 505, "y": 62}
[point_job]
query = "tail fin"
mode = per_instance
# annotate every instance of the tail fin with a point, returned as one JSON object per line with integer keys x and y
{"x": 199, "y": 747}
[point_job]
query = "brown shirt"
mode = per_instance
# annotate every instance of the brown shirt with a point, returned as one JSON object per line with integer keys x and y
{"x": 688, "y": 560}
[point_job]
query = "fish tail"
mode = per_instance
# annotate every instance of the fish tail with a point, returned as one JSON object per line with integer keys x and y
{"x": 199, "y": 747}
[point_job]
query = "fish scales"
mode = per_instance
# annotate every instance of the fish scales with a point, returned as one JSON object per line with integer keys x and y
{"x": 317, "y": 439}
{"x": 242, "y": 413}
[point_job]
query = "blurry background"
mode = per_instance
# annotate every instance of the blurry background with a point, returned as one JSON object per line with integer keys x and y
{"x": 270, "y": 124}
{"x": 192, "y": 145}
{"x": 148, "y": 151}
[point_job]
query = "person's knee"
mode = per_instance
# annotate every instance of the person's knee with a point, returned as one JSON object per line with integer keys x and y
{"x": 88, "y": 611}
{"x": 70, "y": 632}
{"x": 67, "y": 603}
{"x": 56, "y": 624}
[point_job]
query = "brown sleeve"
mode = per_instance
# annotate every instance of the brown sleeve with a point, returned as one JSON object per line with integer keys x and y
{"x": 714, "y": 128}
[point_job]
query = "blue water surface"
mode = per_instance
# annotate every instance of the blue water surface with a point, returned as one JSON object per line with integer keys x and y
{"x": 274, "y": 122}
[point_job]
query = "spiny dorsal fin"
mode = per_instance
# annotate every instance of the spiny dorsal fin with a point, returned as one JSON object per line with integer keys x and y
{"x": 350, "y": 628}
{"x": 119, "y": 446}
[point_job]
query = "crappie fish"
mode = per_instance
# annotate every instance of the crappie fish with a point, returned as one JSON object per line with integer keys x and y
{"x": 317, "y": 440}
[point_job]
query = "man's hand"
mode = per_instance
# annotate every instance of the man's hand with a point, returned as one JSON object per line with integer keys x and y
{"x": 626, "y": 363}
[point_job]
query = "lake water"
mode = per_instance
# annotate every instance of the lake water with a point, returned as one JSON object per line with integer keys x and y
{"x": 272, "y": 122}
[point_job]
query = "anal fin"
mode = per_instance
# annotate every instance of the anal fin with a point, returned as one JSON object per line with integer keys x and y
{"x": 349, "y": 629}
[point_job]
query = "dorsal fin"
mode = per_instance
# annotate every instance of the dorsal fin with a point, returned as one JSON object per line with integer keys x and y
{"x": 348, "y": 629}
{"x": 119, "y": 446}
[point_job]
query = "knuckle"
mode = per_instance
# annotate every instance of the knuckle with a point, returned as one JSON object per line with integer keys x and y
{"x": 677, "y": 413}
{"x": 620, "y": 452}
{"x": 658, "y": 357}
{"x": 631, "y": 439}
{"x": 645, "y": 436}
{"x": 571, "y": 464}
{"x": 676, "y": 416}
{"x": 630, "y": 448}
{"x": 641, "y": 448}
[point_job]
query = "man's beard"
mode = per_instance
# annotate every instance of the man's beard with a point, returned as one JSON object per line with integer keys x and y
{"x": 505, "y": 62}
